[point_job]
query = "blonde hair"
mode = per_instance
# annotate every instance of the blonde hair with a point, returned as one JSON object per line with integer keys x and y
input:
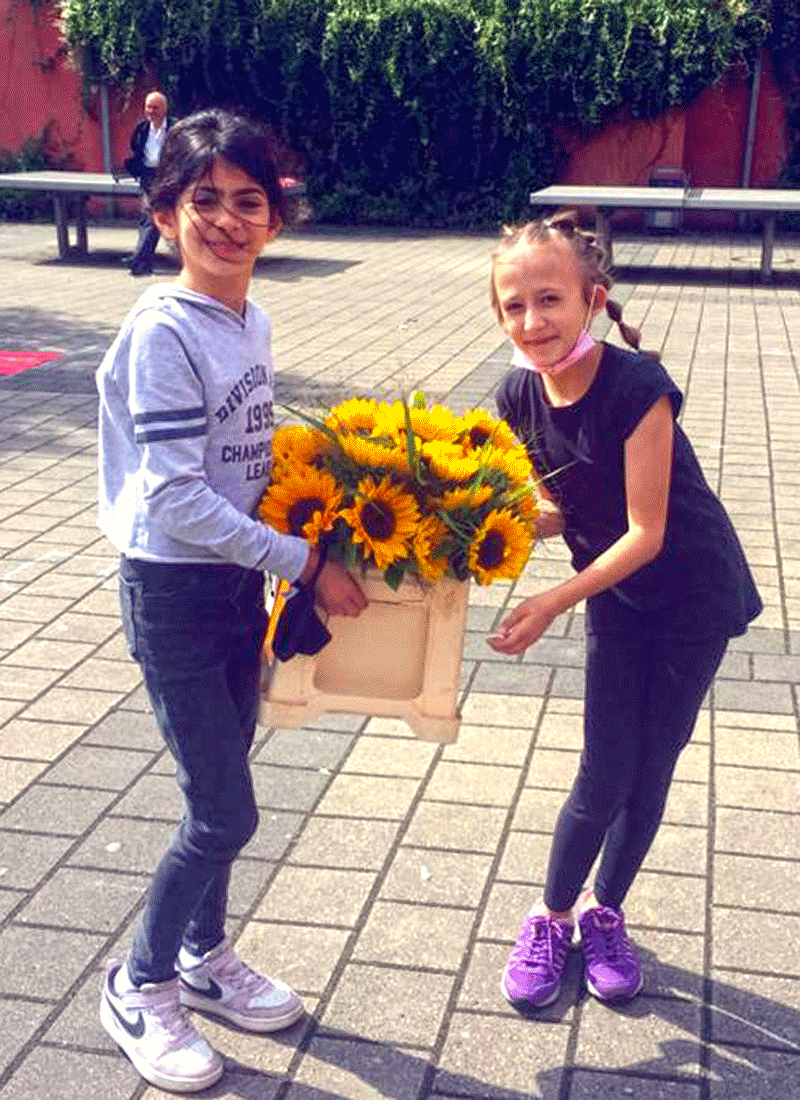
{"x": 590, "y": 256}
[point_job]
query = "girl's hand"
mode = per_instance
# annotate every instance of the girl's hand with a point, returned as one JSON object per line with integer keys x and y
{"x": 549, "y": 520}
{"x": 525, "y": 625}
{"x": 337, "y": 592}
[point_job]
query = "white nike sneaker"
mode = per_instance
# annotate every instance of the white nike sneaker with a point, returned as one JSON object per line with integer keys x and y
{"x": 222, "y": 985}
{"x": 154, "y": 1029}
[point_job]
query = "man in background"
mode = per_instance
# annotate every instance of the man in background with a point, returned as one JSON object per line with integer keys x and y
{"x": 147, "y": 141}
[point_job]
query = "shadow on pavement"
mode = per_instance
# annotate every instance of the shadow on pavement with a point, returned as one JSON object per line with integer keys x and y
{"x": 81, "y": 348}
{"x": 289, "y": 269}
{"x": 271, "y": 266}
{"x": 294, "y": 391}
{"x": 748, "y": 1047}
{"x": 663, "y": 275}
{"x": 101, "y": 259}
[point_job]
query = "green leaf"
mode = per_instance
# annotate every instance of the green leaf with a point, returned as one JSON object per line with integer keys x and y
{"x": 394, "y": 574}
{"x": 351, "y": 555}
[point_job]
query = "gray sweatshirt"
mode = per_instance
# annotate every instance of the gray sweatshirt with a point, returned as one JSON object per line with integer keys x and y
{"x": 185, "y": 433}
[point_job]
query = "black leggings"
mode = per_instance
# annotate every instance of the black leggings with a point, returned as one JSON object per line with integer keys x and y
{"x": 642, "y": 700}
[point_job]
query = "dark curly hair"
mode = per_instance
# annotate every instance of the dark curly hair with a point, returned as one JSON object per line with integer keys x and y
{"x": 191, "y": 146}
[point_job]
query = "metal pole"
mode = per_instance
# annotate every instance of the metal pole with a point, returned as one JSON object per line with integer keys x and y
{"x": 750, "y": 140}
{"x": 105, "y": 130}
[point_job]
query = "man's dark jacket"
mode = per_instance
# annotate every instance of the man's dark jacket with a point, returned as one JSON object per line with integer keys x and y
{"x": 135, "y": 164}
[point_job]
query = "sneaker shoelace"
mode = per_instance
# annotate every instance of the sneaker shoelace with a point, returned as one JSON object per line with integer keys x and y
{"x": 609, "y": 927}
{"x": 542, "y": 944}
{"x": 230, "y": 969}
{"x": 172, "y": 1020}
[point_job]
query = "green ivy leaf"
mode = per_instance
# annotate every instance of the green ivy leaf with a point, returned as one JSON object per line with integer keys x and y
{"x": 431, "y": 112}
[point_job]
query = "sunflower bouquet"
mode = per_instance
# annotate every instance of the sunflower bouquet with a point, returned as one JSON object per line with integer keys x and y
{"x": 406, "y": 488}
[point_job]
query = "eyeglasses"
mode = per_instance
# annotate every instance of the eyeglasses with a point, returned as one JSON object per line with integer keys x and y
{"x": 251, "y": 208}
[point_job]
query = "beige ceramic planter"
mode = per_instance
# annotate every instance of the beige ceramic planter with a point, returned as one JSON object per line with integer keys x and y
{"x": 400, "y": 658}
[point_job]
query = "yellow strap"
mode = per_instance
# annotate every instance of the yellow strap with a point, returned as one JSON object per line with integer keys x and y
{"x": 274, "y": 615}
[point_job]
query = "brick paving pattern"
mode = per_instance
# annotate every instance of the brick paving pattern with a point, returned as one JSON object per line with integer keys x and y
{"x": 389, "y": 876}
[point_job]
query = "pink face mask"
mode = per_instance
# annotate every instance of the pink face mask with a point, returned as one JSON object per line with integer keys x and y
{"x": 583, "y": 346}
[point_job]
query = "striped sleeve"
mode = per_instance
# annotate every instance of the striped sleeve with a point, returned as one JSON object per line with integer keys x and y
{"x": 166, "y": 396}
{"x": 168, "y": 424}
{"x": 177, "y": 505}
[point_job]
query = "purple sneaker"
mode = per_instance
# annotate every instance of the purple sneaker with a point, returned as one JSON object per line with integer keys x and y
{"x": 611, "y": 964}
{"x": 535, "y": 967}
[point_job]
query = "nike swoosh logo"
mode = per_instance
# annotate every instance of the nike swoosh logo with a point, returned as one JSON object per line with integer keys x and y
{"x": 135, "y": 1029}
{"x": 214, "y": 993}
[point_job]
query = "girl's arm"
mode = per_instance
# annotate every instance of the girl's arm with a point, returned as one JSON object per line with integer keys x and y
{"x": 648, "y": 469}
{"x": 161, "y": 390}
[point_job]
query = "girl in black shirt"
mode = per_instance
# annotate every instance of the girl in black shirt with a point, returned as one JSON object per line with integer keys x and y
{"x": 661, "y": 569}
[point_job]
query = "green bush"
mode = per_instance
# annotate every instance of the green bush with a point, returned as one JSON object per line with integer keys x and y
{"x": 423, "y": 112}
{"x": 784, "y": 46}
{"x": 37, "y": 153}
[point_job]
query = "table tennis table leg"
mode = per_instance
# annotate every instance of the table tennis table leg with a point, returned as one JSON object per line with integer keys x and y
{"x": 80, "y": 224}
{"x": 603, "y": 227}
{"x": 62, "y": 229}
{"x": 767, "y": 242}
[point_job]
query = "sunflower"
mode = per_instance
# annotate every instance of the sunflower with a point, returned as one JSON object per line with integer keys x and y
{"x": 384, "y": 518}
{"x": 304, "y": 502}
{"x": 500, "y": 548}
{"x": 355, "y": 415}
{"x": 479, "y": 427}
{"x": 448, "y": 461}
{"x": 429, "y": 536}
{"x": 407, "y": 486}
{"x": 390, "y": 419}
{"x": 527, "y": 505}
{"x": 436, "y": 422}
{"x": 293, "y": 443}
{"x": 372, "y": 454}
{"x": 396, "y": 449}
{"x": 515, "y": 463}
{"x": 427, "y": 424}
{"x": 467, "y": 496}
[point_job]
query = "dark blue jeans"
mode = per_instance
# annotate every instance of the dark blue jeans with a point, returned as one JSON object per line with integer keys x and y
{"x": 146, "y": 243}
{"x": 641, "y": 704}
{"x": 197, "y": 632}
{"x": 148, "y": 234}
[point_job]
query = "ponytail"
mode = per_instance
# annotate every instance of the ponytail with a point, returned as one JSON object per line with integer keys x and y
{"x": 630, "y": 335}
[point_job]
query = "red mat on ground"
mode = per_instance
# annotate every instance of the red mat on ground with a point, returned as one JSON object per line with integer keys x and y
{"x": 12, "y": 362}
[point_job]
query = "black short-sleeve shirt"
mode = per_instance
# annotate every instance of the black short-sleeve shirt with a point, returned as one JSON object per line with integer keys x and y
{"x": 700, "y": 584}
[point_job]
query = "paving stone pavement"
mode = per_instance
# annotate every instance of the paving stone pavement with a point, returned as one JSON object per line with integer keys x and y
{"x": 389, "y": 876}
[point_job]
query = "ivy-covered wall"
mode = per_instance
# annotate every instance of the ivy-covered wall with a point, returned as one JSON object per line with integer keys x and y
{"x": 435, "y": 111}
{"x": 419, "y": 110}
{"x": 783, "y": 43}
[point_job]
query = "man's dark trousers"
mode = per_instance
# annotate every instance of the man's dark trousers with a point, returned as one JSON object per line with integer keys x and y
{"x": 141, "y": 262}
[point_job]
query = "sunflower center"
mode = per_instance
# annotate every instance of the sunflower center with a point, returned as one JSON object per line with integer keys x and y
{"x": 492, "y": 549}
{"x": 301, "y": 512}
{"x": 478, "y": 436}
{"x": 378, "y": 521}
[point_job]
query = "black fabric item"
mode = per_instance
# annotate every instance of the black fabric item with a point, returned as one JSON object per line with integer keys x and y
{"x": 300, "y": 629}
{"x": 700, "y": 584}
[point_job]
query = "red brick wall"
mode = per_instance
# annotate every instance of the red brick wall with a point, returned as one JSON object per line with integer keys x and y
{"x": 706, "y": 139}
{"x": 39, "y": 86}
